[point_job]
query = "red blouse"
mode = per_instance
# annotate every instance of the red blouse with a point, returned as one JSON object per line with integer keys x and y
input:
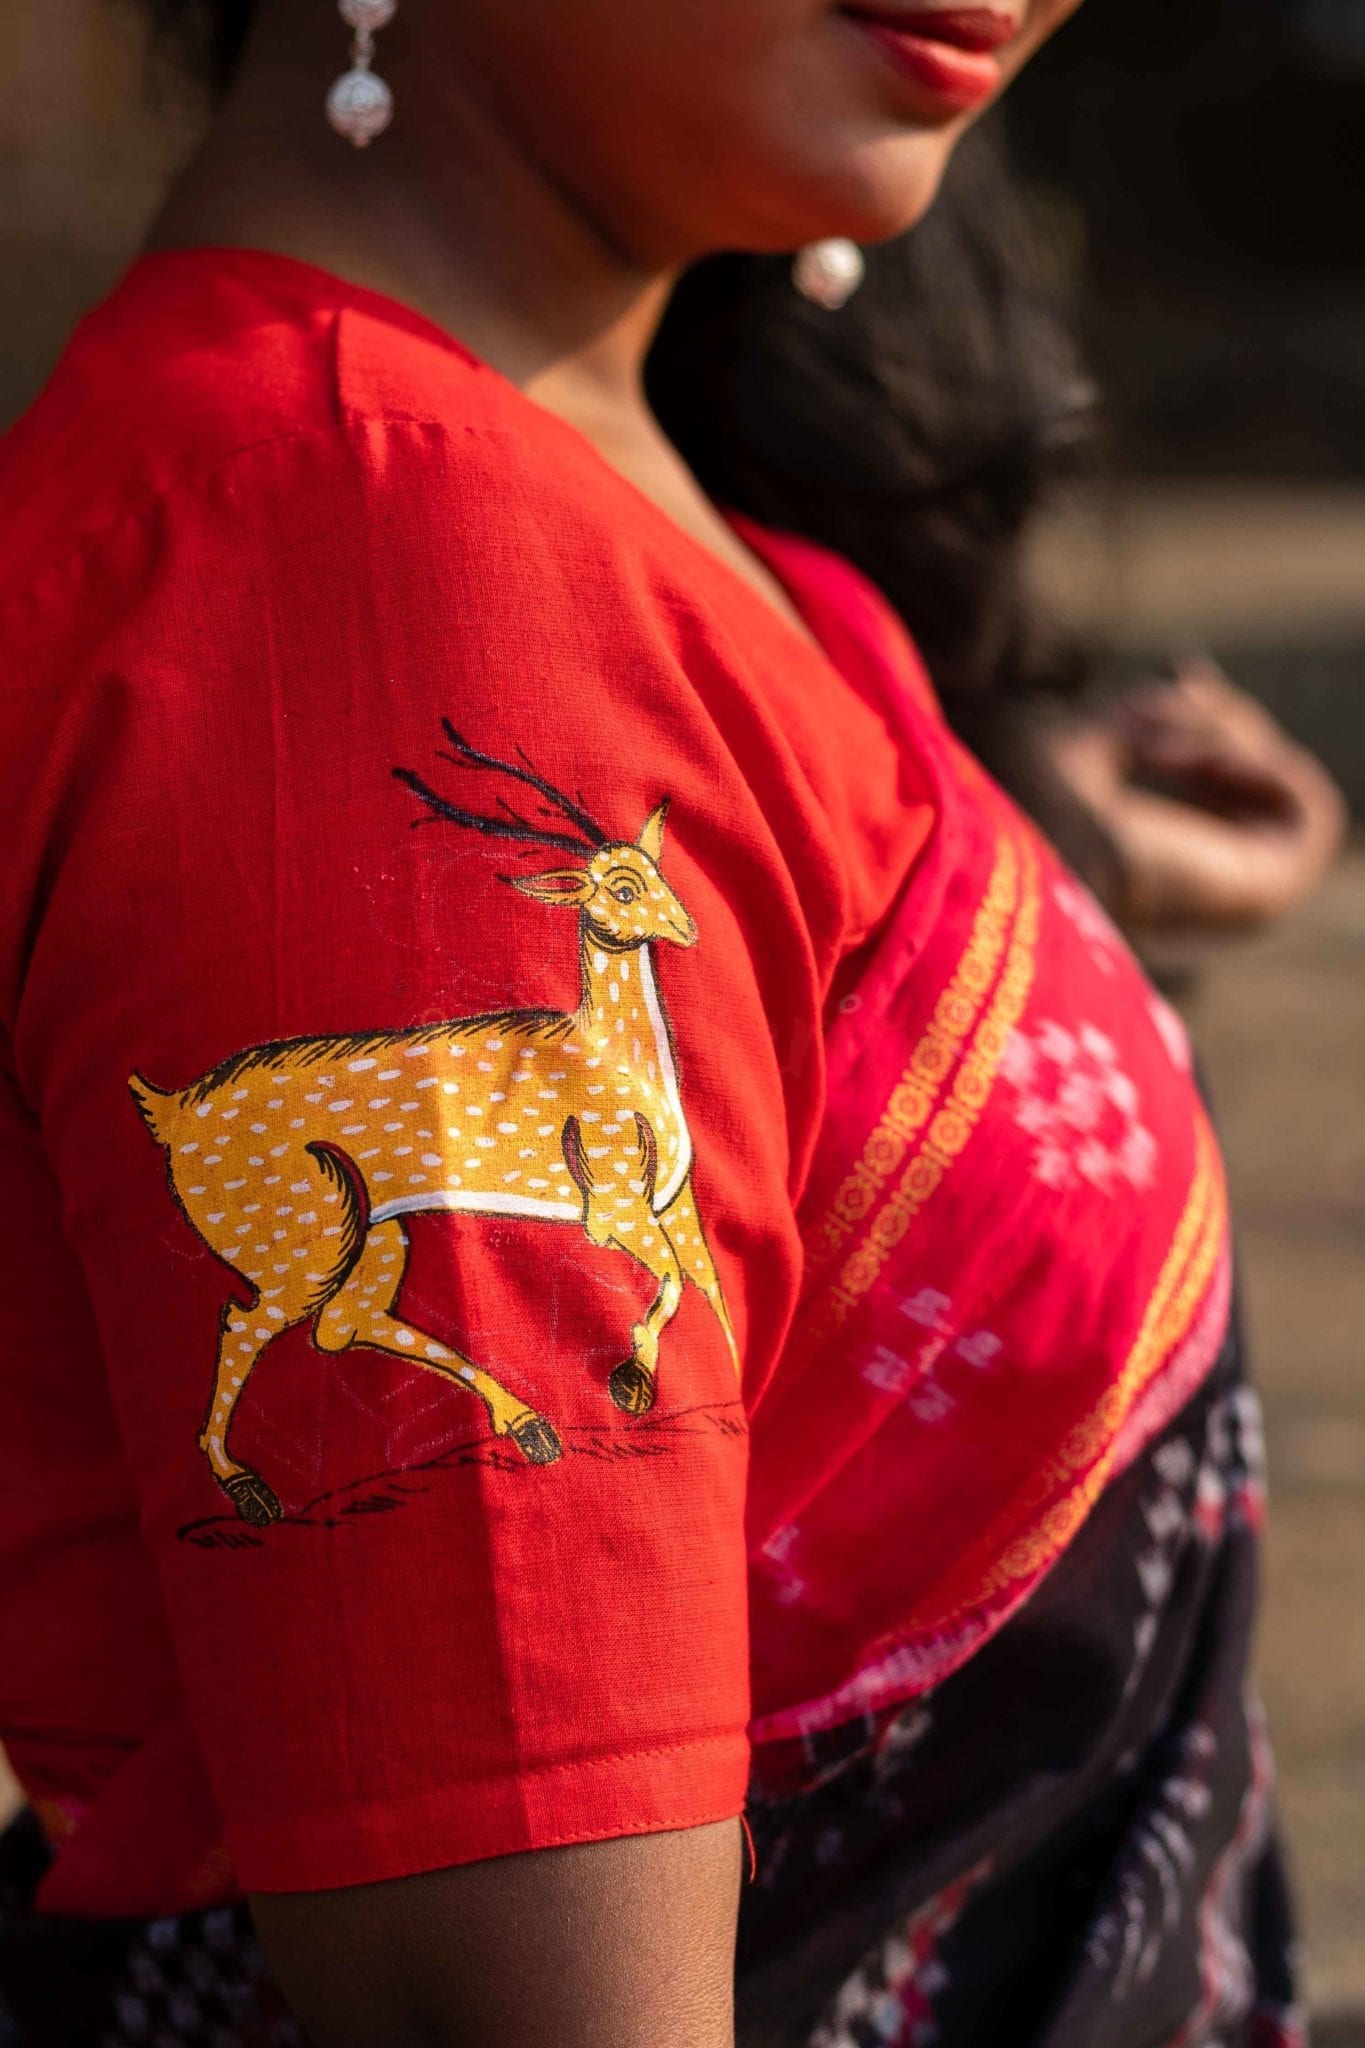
{"x": 513, "y": 1065}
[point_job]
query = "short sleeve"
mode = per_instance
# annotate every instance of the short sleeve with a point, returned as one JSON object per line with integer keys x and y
{"x": 384, "y": 972}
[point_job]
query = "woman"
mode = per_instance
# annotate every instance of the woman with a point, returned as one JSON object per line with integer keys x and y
{"x": 432, "y": 1247}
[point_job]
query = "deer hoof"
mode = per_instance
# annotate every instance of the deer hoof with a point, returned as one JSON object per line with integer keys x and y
{"x": 632, "y": 1388}
{"x": 255, "y": 1502}
{"x": 537, "y": 1440}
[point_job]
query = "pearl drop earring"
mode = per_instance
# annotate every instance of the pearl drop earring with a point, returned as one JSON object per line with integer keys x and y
{"x": 829, "y": 273}
{"x": 360, "y": 105}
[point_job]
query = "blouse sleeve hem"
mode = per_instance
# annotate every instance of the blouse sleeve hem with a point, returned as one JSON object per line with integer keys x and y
{"x": 642, "y": 1792}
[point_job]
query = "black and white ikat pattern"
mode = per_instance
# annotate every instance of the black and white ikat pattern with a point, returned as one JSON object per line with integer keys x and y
{"x": 200, "y": 1981}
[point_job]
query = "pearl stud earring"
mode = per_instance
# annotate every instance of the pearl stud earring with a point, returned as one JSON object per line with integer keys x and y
{"x": 360, "y": 105}
{"x": 829, "y": 273}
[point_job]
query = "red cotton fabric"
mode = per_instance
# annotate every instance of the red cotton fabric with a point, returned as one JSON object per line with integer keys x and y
{"x": 579, "y": 1192}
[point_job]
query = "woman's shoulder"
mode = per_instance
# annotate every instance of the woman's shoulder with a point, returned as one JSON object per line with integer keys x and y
{"x": 238, "y": 380}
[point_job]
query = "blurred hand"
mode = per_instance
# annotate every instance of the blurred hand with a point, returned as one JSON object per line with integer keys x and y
{"x": 1218, "y": 819}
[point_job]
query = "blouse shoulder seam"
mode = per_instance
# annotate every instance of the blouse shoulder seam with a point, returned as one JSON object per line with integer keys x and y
{"x": 140, "y": 509}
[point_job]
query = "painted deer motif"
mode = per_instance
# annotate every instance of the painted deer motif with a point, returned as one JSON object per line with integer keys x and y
{"x": 296, "y": 1161}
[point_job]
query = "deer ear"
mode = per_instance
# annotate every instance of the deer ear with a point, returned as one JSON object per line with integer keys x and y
{"x": 556, "y": 885}
{"x": 651, "y": 840}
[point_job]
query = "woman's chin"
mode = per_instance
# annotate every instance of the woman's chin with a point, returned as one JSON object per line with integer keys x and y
{"x": 875, "y": 193}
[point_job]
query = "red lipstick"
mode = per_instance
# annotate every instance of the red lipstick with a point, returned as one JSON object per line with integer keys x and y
{"x": 949, "y": 53}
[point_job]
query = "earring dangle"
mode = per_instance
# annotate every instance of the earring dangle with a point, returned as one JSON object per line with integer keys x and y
{"x": 829, "y": 273}
{"x": 360, "y": 105}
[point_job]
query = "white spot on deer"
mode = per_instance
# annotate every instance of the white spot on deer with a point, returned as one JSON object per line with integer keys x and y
{"x": 218, "y": 1216}
{"x": 515, "y": 1174}
{"x": 228, "y": 1114}
{"x": 287, "y": 1210}
{"x": 467, "y": 1373}
{"x": 247, "y": 1348}
{"x": 336, "y": 1108}
{"x": 212, "y": 1158}
{"x": 457, "y": 1052}
{"x": 240, "y": 1094}
{"x": 624, "y": 1223}
{"x": 548, "y": 1094}
{"x": 360, "y": 1066}
{"x": 416, "y": 1180}
{"x": 313, "y": 1098}
{"x": 416, "y": 1052}
{"x": 434, "y": 1158}
{"x": 612, "y": 1129}
{"x": 592, "y": 1063}
{"x": 381, "y": 1102}
{"x": 278, "y": 1151}
{"x": 533, "y": 1183}
{"x": 494, "y": 1044}
{"x": 472, "y": 1164}
{"x": 299, "y": 1187}
{"x": 487, "y": 1067}
{"x": 488, "y": 1144}
{"x": 262, "y": 1336}
{"x": 614, "y": 991}
{"x": 427, "y": 1081}
{"x": 370, "y": 1152}
{"x": 204, "y": 1191}
{"x": 508, "y": 1130}
{"x": 204, "y": 1109}
{"x": 251, "y": 1208}
{"x": 437, "y": 1351}
{"x": 474, "y": 1109}
{"x": 450, "y": 1087}
{"x": 381, "y": 1176}
{"x": 599, "y": 1152}
{"x": 545, "y": 1130}
{"x": 331, "y": 1230}
{"x": 353, "y": 1130}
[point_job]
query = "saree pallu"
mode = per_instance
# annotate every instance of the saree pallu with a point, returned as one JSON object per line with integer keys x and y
{"x": 1068, "y": 1844}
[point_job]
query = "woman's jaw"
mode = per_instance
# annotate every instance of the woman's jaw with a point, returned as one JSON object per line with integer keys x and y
{"x": 687, "y": 126}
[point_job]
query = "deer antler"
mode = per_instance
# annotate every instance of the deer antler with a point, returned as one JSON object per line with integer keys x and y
{"x": 512, "y": 825}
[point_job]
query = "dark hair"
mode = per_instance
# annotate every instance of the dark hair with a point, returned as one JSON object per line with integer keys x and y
{"x": 916, "y": 431}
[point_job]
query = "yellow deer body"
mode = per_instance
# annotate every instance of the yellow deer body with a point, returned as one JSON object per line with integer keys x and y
{"x": 296, "y": 1161}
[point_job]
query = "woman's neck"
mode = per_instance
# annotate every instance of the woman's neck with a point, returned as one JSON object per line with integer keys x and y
{"x": 453, "y": 216}
{"x": 448, "y": 213}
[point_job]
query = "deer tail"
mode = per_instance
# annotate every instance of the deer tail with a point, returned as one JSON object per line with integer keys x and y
{"x": 160, "y": 1107}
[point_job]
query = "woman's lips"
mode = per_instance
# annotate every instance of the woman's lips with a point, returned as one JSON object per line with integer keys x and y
{"x": 950, "y": 53}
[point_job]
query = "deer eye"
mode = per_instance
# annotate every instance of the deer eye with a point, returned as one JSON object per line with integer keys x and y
{"x": 625, "y": 892}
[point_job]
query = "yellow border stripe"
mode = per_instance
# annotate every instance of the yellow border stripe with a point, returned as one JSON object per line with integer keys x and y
{"x": 913, "y": 1098}
{"x": 953, "y": 1124}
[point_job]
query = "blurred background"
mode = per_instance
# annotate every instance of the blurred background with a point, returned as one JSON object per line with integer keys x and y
{"x": 1202, "y": 166}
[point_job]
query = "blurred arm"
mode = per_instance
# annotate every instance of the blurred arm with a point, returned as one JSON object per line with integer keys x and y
{"x": 620, "y": 1944}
